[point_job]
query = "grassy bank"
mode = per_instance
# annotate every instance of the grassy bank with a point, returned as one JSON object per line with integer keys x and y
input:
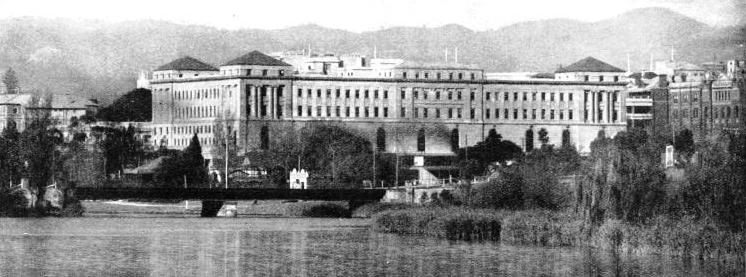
{"x": 317, "y": 209}
{"x": 682, "y": 237}
{"x": 449, "y": 223}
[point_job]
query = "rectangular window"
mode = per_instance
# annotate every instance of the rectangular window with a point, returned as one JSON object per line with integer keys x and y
{"x": 551, "y": 97}
{"x": 300, "y": 110}
{"x": 367, "y": 113}
{"x": 458, "y": 113}
{"x": 569, "y": 96}
{"x": 437, "y": 94}
{"x": 601, "y": 78}
{"x": 318, "y": 111}
{"x": 562, "y": 97}
{"x": 424, "y": 112}
{"x": 450, "y": 76}
{"x": 543, "y": 114}
{"x": 515, "y": 113}
{"x": 416, "y": 112}
{"x": 328, "y": 111}
{"x": 357, "y": 94}
{"x": 385, "y": 112}
{"x": 487, "y": 113}
{"x": 472, "y": 113}
{"x": 561, "y": 114}
{"x": 525, "y": 96}
{"x": 497, "y": 113}
{"x": 338, "y": 92}
{"x": 375, "y": 94}
{"x": 347, "y": 111}
{"x": 385, "y": 94}
{"x": 416, "y": 94}
{"x": 318, "y": 93}
{"x": 533, "y": 96}
{"x": 569, "y": 114}
{"x": 403, "y": 112}
{"x": 487, "y": 96}
{"x": 450, "y": 112}
{"x": 460, "y": 75}
{"x": 338, "y": 111}
{"x": 404, "y": 75}
{"x": 424, "y": 94}
{"x": 300, "y": 92}
{"x": 375, "y": 112}
{"x": 515, "y": 97}
{"x": 347, "y": 93}
{"x": 525, "y": 114}
{"x": 308, "y": 111}
{"x": 427, "y": 75}
{"x": 505, "y": 114}
{"x": 473, "y": 76}
{"x": 367, "y": 94}
{"x": 403, "y": 94}
{"x": 551, "y": 114}
{"x": 471, "y": 96}
{"x": 543, "y": 96}
{"x": 437, "y": 75}
{"x": 533, "y": 113}
{"x": 308, "y": 93}
{"x": 458, "y": 95}
{"x": 264, "y": 72}
{"x": 437, "y": 113}
{"x": 357, "y": 111}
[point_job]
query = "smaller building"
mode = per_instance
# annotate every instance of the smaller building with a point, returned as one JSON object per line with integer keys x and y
{"x": 298, "y": 179}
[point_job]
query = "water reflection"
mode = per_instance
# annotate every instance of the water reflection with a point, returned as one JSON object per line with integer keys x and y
{"x": 288, "y": 247}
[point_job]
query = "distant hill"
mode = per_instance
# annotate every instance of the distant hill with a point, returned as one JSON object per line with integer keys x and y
{"x": 102, "y": 60}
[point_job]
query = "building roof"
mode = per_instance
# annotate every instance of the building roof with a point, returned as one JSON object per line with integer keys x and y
{"x": 589, "y": 64}
{"x": 187, "y": 63}
{"x": 15, "y": 99}
{"x": 256, "y": 58}
{"x": 435, "y": 66}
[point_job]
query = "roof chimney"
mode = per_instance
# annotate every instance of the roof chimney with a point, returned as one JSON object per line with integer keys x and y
{"x": 446, "y": 54}
{"x": 455, "y": 55}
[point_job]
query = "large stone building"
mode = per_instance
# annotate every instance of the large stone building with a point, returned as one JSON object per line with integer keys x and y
{"x": 706, "y": 102}
{"x": 444, "y": 105}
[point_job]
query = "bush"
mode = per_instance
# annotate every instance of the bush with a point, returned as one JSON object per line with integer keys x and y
{"x": 369, "y": 210}
{"x": 12, "y": 204}
{"x": 317, "y": 209}
{"x": 449, "y": 223}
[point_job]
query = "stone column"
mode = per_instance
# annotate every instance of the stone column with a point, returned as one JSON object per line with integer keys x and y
{"x": 594, "y": 107}
{"x": 605, "y": 103}
{"x": 257, "y": 105}
{"x": 273, "y": 108}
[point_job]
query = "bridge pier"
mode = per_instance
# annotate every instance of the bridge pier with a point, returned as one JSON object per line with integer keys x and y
{"x": 210, "y": 208}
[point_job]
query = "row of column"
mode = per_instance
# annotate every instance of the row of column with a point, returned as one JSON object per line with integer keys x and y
{"x": 608, "y": 107}
{"x": 271, "y": 99}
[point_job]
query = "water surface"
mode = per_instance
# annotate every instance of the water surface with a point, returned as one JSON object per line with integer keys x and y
{"x": 189, "y": 246}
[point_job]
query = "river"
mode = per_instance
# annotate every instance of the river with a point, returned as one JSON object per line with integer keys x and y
{"x": 191, "y": 246}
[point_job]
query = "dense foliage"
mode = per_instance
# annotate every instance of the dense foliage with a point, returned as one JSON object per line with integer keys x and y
{"x": 135, "y": 106}
{"x": 187, "y": 166}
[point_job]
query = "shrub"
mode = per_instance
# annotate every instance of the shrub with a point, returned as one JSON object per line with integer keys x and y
{"x": 368, "y": 210}
{"x": 317, "y": 209}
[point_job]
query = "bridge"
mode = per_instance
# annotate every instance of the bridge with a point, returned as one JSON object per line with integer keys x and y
{"x": 213, "y": 198}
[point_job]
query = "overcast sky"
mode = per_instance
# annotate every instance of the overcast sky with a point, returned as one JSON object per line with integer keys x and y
{"x": 361, "y": 16}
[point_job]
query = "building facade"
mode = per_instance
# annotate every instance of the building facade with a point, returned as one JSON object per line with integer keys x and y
{"x": 445, "y": 106}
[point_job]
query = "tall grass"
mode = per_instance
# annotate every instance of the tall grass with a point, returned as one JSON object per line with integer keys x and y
{"x": 448, "y": 223}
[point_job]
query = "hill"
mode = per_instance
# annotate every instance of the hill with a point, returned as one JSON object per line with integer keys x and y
{"x": 101, "y": 60}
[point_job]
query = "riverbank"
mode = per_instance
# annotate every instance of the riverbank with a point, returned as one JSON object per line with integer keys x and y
{"x": 683, "y": 237}
{"x": 262, "y": 208}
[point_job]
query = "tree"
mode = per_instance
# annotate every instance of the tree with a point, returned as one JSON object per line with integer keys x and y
{"x": 11, "y": 164}
{"x": 11, "y": 81}
{"x": 529, "y": 140}
{"x": 543, "y": 137}
{"x": 224, "y": 141}
{"x": 121, "y": 148}
{"x": 684, "y": 143}
{"x": 193, "y": 163}
{"x": 565, "y": 138}
{"x": 491, "y": 149}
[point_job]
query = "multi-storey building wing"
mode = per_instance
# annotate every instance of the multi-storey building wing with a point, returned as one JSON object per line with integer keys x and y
{"x": 445, "y": 106}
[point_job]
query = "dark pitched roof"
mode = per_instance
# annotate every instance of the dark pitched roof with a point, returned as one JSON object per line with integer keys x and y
{"x": 187, "y": 63}
{"x": 256, "y": 58}
{"x": 589, "y": 64}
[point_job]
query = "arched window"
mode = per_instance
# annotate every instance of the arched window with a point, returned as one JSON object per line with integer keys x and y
{"x": 381, "y": 140}
{"x": 529, "y": 140}
{"x": 264, "y": 138}
{"x": 454, "y": 140}
{"x": 566, "y": 138}
{"x": 421, "y": 140}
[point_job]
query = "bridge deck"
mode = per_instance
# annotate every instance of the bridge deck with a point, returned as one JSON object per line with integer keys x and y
{"x": 89, "y": 193}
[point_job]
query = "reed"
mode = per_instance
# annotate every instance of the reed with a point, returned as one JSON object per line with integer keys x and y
{"x": 449, "y": 223}
{"x": 316, "y": 209}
